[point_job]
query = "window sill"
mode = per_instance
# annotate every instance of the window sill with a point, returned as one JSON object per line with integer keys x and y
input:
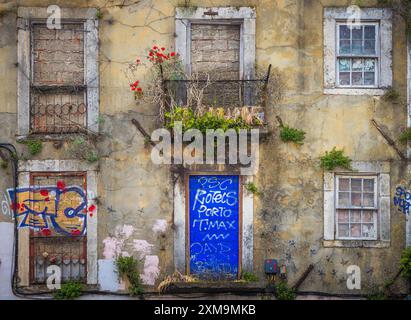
{"x": 356, "y": 244}
{"x": 53, "y": 136}
{"x": 355, "y": 91}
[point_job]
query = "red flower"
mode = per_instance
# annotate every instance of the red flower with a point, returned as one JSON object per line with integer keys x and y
{"x": 139, "y": 90}
{"x": 92, "y": 208}
{"x": 172, "y": 54}
{"x": 163, "y": 48}
{"x": 133, "y": 88}
{"x": 150, "y": 54}
{"x": 60, "y": 185}
{"x": 44, "y": 193}
{"x": 155, "y": 48}
{"x": 138, "y": 61}
{"x": 135, "y": 84}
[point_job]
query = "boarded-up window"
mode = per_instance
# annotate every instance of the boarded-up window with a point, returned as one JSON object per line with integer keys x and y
{"x": 58, "y": 206}
{"x": 215, "y": 50}
{"x": 215, "y": 53}
{"x": 57, "y": 86}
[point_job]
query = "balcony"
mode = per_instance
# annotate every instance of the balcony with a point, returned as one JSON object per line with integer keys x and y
{"x": 235, "y": 98}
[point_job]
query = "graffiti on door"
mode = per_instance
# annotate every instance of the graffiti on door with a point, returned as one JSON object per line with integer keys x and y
{"x": 214, "y": 226}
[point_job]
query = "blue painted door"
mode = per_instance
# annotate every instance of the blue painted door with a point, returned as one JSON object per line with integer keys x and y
{"x": 214, "y": 226}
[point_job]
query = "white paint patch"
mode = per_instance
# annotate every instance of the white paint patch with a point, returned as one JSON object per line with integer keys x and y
{"x": 125, "y": 232}
{"x": 151, "y": 270}
{"x": 112, "y": 247}
{"x": 107, "y": 276}
{"x": 142, "y": 247}
{"x": 160, "y": 226}
{"x": 6, "y": 258}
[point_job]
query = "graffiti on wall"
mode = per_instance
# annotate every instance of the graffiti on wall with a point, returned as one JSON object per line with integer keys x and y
{"x": 50, "y": 210}
{"x": 402, "y": 200}
{"x": 214, "y": 226}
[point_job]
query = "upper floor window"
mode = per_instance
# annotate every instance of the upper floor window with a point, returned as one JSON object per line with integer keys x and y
{"x": 357, "y": 54}
{"x": 58, "y": 79}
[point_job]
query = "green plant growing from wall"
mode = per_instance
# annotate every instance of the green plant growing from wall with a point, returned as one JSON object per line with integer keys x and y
{"x": 70, "y": 290}
{"x": 288, "y": 134}
{"x": 249, "y": 277}
{"x": 335, "y": 158}
{"x": 405, "y": 263}
{"x": 252, "y": 188}
{"x": 34, "y": 146}
{"x": 80, "y": 148}
{"x": 127, "y": 267}
{"x": 99, "y": 14}
{"x": 405, "y": 136}
{"x": 283, "y": 292}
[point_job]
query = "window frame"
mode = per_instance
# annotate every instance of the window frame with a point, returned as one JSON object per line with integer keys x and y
{"x": 376, "y": 56}
{"x": 383, "y": 16}
{"x": 374, "y": 209}
{"x": 87, "y": 16}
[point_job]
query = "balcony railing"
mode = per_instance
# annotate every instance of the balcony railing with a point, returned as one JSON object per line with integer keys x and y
{"x": 217, "y": 93}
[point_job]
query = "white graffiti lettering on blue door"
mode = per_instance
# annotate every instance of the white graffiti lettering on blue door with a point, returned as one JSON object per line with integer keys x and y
{"x": 214, "y": 226}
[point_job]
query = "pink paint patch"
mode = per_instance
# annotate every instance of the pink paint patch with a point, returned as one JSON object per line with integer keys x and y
{"x": 160, "y": 226}
{"x": 112, "y": 247}
{"x": 142, "y": 247}
{"x": 151, "y": 270}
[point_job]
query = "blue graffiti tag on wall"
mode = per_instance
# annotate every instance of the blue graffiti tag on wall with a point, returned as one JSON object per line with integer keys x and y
{"x": 402, "y": 200}
{"x": 58, "y": 210}
{"x": 214, "y": 226}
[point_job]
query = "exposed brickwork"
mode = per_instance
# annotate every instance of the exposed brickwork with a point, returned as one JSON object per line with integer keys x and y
{"x": 58, "y": 55}
{"x": 215, "y": 49}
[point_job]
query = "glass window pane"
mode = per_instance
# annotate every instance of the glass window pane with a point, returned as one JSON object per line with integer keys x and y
{"x": 344, "y": 32}
{"x": 343, "y": 216}
{"x": 357, "y": 47}
{"x": 356, "y": 199}
{"x": 357, "y": 32}
{"x": 344, "y": 78}
{"x": 368, "y": 185}
{"x": 368, "y": 216}
{"x": 357, "y": 65}
{"x": 343, "y": 184}
{"x": 345, "y": 47}
{"x": 343, "y": 199}
{"x": 355, "y": 230}
{"x": 368, "y": 199}
{"x": 343, "y": 230}
{"x": 369, "y": 78}
{"x": 368, "y": 231}
{"x": 355, "y": 216}
{"x": 344, "y": 64}
{"x": 357, "y": 78}
{"x": 356, "y": 184}
{"x": 369, "y": 46}
{"x": 369, "y": 64}
{"x": 369, "y": 32}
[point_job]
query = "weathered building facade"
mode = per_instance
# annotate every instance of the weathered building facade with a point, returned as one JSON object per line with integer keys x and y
{"x": 93, "y": 192}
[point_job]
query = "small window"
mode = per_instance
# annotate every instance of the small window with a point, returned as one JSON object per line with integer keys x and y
{"x": 357, "y": 55}
{"x": 356, "y": 207}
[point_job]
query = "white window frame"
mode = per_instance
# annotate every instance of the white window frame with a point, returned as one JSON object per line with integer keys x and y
{"x": 243, "y": 16}
{"x": 376, "y": 56}
{"x": 25, "y": 16}
{"x": 374, "y": 208}
{"x": 336, "y": 16}
{"x": 378, "y": 169}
